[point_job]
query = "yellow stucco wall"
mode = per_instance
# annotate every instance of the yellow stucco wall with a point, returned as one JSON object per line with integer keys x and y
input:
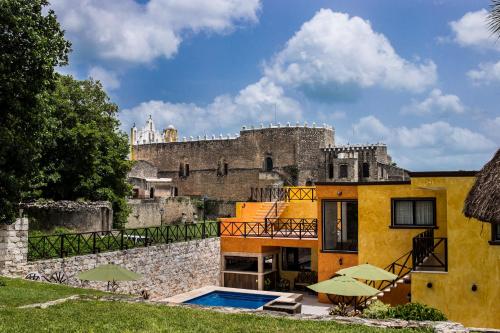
{"x": 380, "y": 245}
{"x": 471, "y": 260}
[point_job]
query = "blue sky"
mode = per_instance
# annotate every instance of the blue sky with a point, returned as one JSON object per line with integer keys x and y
{"x": 421, "y": 76}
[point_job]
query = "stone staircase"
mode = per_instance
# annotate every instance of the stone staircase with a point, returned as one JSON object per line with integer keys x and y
{"x": 267, "y": 209}
{"x": 396, "y": 293}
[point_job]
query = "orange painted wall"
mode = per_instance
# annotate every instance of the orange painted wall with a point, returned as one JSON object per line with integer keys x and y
{"x": 329, "y": 262}
{"x": 258, "y": 245}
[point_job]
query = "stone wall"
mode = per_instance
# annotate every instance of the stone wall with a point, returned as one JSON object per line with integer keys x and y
{"x": 77, "y": 216}
{"x": 146, "y": 212}
{"x": 13, "y": 245}
{"x": 167, "y": 269}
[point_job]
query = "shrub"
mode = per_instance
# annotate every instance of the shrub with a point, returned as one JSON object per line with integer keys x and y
{"x": 377, "y": 310}
{"x": 340, "y": 309}
{"x": 416, "y": 311}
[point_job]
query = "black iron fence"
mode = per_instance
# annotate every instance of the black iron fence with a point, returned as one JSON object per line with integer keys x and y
{"x": 429, "y": 252}
{"x": 272, "y": 228}
{"x": 270, "y": 194}
{"x": 73, "y": 244}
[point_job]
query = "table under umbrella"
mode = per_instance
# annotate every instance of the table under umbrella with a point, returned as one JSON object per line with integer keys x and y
{"x": 344, "y": 286}
{"x": 109, "y": 273}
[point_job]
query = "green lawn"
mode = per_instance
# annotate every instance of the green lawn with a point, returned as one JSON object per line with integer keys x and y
{"x": 116, "y": 316}
{"x": 17, "y": 292}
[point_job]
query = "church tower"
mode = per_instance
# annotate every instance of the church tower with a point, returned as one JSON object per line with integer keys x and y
{"x": 170, "y": 134}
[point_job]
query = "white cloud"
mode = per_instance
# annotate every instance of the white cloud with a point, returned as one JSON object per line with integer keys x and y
{"x": 486, "y": 73}
{"x": 139, "y": 33}
{"x": 108, "y": 79}
{"x": 471, "y": 30}
{"x": 334, "y": 49}
{"x": 436, "y": 101}
{"x": 255, "y": 103}
{"x": 428, "y": 146}
{"x": 492, "y": 128}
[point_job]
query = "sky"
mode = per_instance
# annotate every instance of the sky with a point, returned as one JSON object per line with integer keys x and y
{"x": 421, "y": 76}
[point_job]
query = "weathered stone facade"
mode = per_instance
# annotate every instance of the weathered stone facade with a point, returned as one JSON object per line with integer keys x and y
{"x": 167, "y": 269}
{"x": 228, "y": 167}
{"x": 77, "y": 216}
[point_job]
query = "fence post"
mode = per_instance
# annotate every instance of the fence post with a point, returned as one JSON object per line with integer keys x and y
{"x": 203, "y": 231}
{"x": 168, "y": 232}
{"x": 121, "y": 239}
{"x": 61, "y": 253}
{"x": 218, "y": 228}
{"x": 446, "y": 254}
{"x": 93, "y": 242}
{"x": 300, "y": 229}
{"x": 146, "y": 237}
{"x": 185, "y": 232}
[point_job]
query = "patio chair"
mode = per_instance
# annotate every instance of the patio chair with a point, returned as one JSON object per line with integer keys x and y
{"x": 304, "y": 279}
{"x": 284, "y": 284}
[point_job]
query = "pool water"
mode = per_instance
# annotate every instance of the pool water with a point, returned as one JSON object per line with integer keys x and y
{"x": 232, "y": 299}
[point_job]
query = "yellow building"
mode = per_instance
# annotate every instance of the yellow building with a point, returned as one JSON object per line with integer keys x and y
{"x": 415, "y": 229}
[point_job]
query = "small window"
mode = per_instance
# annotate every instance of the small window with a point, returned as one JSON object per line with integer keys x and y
{"x": 414, "y": 212}
{"x": 152, "y": 193}
{"x": 226, "y": 169}
{"x": 343, "y": 171}
{"x": 181, "y": 170}
{"x": 495, "y": 233}
{"x": 269, "y": 164}
{"x": 330, "y": 170}
{"x": 186, "y": 170}
{"x": 296, "y": 259}
{"x": 366, "y": 170}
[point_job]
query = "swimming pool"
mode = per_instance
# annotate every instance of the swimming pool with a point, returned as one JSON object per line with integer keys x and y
{"x": 232, "y": 299}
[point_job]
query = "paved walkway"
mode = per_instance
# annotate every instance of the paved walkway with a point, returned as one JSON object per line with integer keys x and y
{"x": 310, "y": 305}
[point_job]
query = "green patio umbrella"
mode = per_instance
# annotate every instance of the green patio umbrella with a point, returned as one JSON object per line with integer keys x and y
{"x": 367, "y": 272}
{"x": 343, "y": 286}
{"x": 109, "y": 273}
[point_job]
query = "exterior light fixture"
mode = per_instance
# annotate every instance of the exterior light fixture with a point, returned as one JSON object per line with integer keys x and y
{"x": 474, "y": 287}
{"x": 339, "y": 193}
{"x": 429, "y": 285}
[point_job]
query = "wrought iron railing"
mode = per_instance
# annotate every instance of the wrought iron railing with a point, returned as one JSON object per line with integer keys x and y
{"x": 270, "y": 194}
{"x": 272, "y": 228}
{"x": 429, "y": 252}
{"x": 73, "y": 244}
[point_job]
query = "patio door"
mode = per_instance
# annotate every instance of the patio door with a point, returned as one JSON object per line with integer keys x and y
{"x": 340, "y": 225}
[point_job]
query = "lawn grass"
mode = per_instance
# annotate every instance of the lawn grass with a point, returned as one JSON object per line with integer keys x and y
{"x": 18, "y": 292}
{"x": 119, "y": 316}
{"x": 104, "y": 316}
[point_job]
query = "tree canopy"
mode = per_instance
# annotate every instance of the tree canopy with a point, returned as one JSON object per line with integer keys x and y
{"x": 86, "y": 155}
{"x": 32, "y": 45}
{"x": 59, "y": 137}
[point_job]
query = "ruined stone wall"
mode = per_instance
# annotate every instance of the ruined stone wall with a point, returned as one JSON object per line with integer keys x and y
{"x": 77, "y": 216}
{"x": 245, "y": 156}
{"x": 146, "y": 212}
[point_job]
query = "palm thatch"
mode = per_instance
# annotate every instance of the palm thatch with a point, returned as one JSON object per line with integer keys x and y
{"x": 494, "y": 17}
{"x": 483, "y": 201}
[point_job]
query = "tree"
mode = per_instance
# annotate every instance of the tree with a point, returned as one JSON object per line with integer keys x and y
{"x": 32, "y": 44}
{"x": 86, "y": 155}
{"x": 494, "y": 17}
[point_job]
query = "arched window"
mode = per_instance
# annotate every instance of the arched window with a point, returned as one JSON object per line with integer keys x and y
{"x": 269, "y": 164}
{"x": 366, "y": 170}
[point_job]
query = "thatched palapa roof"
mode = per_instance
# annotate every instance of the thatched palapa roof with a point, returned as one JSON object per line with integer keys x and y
{"x": 483, "y": 201}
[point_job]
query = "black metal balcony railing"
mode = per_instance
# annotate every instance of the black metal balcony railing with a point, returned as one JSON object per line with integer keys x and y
{"x": 272, "y": 228}
{"x": 73, "y": 244}
{"x": 429, "y": 252}
{"x": 270, "y": 194}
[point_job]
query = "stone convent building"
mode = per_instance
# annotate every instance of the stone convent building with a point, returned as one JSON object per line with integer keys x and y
{"x": 228, "y": 167}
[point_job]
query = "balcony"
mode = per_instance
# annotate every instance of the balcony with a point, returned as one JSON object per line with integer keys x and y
{"x": 295, "y": 228}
